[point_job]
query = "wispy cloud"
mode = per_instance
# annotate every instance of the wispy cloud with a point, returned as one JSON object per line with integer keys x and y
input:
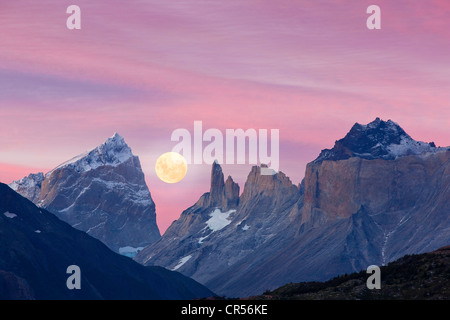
{"x": 145, "y": 68}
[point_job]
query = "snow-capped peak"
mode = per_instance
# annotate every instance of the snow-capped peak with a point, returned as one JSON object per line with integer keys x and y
{"x": 31, "y": 181}
{"x": 377, "y": 140}
{"x": 29, "y": 186}
{"x": 113, "y": 152}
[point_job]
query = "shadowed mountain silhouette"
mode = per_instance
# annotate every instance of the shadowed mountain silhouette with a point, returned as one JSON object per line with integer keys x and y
{"x": 37, "y": 248}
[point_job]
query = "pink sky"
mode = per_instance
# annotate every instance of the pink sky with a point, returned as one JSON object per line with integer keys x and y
{"x": 145, "y": 68}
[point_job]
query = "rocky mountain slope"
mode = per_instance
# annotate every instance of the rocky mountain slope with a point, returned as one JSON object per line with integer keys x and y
{"x": 102, "y": 192}
{"x": 214, "y": 234}
{"x": 37, "y": 248}
{"x": 374, "y": 197}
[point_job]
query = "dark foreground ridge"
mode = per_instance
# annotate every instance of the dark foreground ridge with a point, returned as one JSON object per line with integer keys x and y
{"x": 36, "y": 249}
{"x": 412, "y": 277}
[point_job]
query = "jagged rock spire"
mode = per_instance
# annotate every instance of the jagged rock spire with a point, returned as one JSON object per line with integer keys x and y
{"x": 221, "y": 194}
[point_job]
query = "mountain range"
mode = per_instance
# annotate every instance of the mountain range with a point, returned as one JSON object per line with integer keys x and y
{"x": 372, "y": 198}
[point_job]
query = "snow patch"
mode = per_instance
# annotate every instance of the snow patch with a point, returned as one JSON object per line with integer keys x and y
{"x": 182, "y": 262}
{"x": 95, "y": 227}
{"x": 10, "y": 215}
{"x": 409, "y": 146}
{"x": 200, "y": 240}
{"x": 129, "y": 251}
{"x": 219, "y": 219}
{"x": 246, "y": 227}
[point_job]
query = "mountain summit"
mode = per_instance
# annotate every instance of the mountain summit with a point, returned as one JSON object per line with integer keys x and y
{"x": 102, "y": 192}
{"x": 377, "y": 140}
{"x": 113, "y": 152}
{"x": 223, "y": 194}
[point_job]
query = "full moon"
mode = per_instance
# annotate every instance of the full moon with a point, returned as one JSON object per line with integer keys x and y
{"x": 171, "y": 167}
